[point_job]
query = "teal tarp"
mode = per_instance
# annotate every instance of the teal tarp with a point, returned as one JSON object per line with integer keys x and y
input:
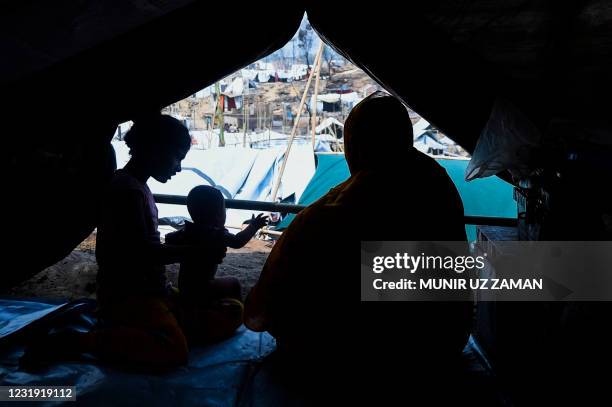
{"x": 481, "y": 197}
{"x": 331, "y": 170}
{"x": 490, "y": 196}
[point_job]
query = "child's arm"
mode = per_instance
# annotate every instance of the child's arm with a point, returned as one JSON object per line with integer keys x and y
{"x": 242, "y": 238}
{"x": 179, "y": 248}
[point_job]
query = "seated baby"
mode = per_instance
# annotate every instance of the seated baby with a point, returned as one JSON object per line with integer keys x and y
{"x": 206, "y": 207}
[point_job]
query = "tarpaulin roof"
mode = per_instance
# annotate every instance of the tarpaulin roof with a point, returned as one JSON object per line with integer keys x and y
{"x": 330, "y": 121}
{"x": 425, "y": 142}
{"x": 420, "y": 127}
{"x": 351, "y": 97}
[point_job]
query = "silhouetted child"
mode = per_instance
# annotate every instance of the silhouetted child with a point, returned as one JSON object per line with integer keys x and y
{"x": 206, "y": 206}
{"x": 139, "y": 319}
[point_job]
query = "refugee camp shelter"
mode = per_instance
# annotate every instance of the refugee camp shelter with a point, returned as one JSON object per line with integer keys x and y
{"x": 71, "y": 71}
{"x": 332, "y": 127}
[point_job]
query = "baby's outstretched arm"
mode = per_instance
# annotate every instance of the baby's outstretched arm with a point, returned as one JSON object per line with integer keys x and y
{"x": 241, "y": 238}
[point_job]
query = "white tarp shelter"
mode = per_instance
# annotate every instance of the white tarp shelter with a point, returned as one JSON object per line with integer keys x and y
{"x": 420, "y": 127}
{"x": 426, "y": 143}
{"x": 328, "y": 123}
{"x": 347, "y": 99}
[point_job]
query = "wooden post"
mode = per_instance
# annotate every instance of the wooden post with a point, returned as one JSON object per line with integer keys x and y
{"x": 284, "y": 117}
{"x": 219, "y": 113}
{"x": 264, "y": 116}
{"x": 295, "y": 125}
{"x": 245, "y": 124}
{"x": 313, "y": 123}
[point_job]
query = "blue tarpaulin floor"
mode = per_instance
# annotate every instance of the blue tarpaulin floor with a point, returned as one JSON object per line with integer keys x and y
{"x": 229, "y": 373}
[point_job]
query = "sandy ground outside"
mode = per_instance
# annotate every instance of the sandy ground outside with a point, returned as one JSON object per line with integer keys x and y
{"x": 75, "y": 276}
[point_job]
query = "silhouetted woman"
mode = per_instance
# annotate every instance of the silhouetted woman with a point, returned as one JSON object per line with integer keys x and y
{"x": 308, "y": 292}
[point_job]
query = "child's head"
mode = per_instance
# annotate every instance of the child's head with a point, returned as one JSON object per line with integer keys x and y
{"x": 206, "y": 206}
{"x": 159, "y": 143}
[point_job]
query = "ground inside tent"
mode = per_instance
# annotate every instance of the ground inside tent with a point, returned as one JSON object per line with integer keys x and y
{"x": 233, "y": 372}
{"x": 75, "y": 276}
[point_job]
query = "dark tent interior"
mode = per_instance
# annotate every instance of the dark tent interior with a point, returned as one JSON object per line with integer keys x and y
{"x": 551, "y": 59}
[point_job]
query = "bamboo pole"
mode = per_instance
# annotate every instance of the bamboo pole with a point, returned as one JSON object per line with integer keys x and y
{"x": 246, "y": 119}
{"x": 264, "y": 120}
{"x": 213, "y": 116}
{"x": 219, "y": 114}
{"x": 295, "y": 125}
{"x": 313, "y": 122}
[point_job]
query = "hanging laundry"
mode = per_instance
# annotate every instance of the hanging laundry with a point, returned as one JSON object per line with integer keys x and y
{"x": 231, "y": 103}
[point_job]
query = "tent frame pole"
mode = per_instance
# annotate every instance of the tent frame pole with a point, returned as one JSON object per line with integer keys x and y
{"x": 313, "y": 122}
{"x": 295, "y": 125}
{"x": 291, "y": 208}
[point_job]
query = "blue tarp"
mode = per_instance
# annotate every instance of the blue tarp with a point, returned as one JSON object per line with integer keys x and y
{"x": 16, "y": 315}
{"x": 234, "y": 372}
{"x": 228, "y": 373}
{"x": 482, "y": 197}
{"x": 490, "y": 196}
